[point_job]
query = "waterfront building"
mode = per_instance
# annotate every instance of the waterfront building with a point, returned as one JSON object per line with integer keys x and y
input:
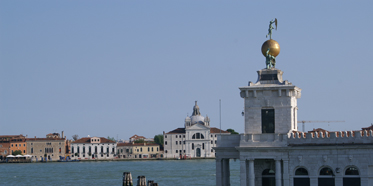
{"x": 135, "y": 138}
{"x": 93, "y": 148}
{"x": 195, "y": 139}
{"x": 138, "y": 150}
{"x": 18, "y": 144}
{"x": 50, "y": 149}
{"x": 7, "y": 144}
{"x": 272, "y": 152}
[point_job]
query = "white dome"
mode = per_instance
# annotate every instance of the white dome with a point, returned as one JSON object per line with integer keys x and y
{"x": 198, "y": 119}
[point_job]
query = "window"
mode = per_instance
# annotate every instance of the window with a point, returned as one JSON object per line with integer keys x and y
{"x": 112, "y": 150}
{"x": 24, "y": 145}
{"x": 180, "y": 142}
{"x": 211, "y": 136}
{"x": 77, "y": 149}
{"x": 32, "y": 150}
{"x": 83, "y": 150}
{"x": 212, "y": 142}
{"x": 152, "y": 149}
{"x": 176, "y": 142}
{"x": 184, "y": 142}
{"x": 148, "y": 149}
{"x": 72, "y": 150}
{"x": 176, "y": 136}
{"x": 268, "y": 120}
{"x": 24, "y": 151}
{"x": 326, "y": 177}
{"x": 179, "y": 136}
{"x": 183, "y": 136}
{"x": 89, "y": 149}
{"x": 351, "y": 177}
{"x": 192, "y": 146}
{"x": 301, "y": 177}
{"x": 141, "y": 149}
{"x": 12, "y": 145}
{"x": 95, "y": 149}
{"x": 212, "y": 150}
{"x": 102, "y": 150}
{"x": 165, "y": 136}
{"x": 203, "y": 145}
{"x": 216, "y": 142}
{"x": 165, "y": 143}
{"x": 32, "y": 144}
{"x": 177, "y": 151}
{"x": 198, "y": 136}
{"x": 107, "y": 150}
{"x": 59, "y": 150}
{"x": 165, "y": 151}
{"x": 157, "y": 149}
{"x": 16, "y": 145}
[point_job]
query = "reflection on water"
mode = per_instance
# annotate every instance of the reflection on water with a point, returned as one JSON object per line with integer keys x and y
{"x": 166, "y": 172}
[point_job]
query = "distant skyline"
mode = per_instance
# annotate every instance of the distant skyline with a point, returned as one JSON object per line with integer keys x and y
{"x": 119, "y": 68}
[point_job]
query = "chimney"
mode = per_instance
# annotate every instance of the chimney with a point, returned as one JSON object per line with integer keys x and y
{"x": 62, "y": 135}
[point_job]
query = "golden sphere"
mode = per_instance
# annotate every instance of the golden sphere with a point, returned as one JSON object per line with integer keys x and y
{"x": 274, "y": 47}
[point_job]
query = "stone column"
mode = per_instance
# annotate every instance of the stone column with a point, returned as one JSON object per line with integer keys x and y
{"x": 243, "y": 173}
{"x": 219, "y": 176}
{"x": 286, "y": 172}
{"x": 226, "y": 172}
{"x": 251, "y": 173}
{"x": 278, "y": 173}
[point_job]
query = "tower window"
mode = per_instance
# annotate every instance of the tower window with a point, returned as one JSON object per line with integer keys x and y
{"x": 268, "y": 120}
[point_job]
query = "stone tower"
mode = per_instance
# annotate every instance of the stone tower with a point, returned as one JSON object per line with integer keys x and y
{"x": 270, "y": 104}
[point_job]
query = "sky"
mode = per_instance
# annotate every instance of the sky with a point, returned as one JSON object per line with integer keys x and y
{"x": 119, "y": 68}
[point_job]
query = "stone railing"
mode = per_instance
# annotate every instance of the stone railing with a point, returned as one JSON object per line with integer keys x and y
{"x": 325, "y": 137}
{"x": 232, "y": 140}
{"x": 263, "y": 140}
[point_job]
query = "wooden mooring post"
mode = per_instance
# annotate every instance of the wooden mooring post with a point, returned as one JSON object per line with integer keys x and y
{"x": 127, "y": 179}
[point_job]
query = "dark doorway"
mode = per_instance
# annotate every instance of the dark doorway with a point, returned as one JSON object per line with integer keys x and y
{"x": 198, "y": 152}
{"x": 268, "y": 120}
{"x": 268, "y": 178}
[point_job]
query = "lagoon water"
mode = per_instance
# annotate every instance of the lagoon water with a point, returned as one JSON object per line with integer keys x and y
{"x": 163, "y": 172}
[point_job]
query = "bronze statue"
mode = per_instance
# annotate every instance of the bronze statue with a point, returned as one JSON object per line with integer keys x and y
{"x": 271, "y": 28}
{"x": 270, "y": 60}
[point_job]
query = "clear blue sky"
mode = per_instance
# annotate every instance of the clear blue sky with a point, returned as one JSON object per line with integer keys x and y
{"x": 119, "y": 68}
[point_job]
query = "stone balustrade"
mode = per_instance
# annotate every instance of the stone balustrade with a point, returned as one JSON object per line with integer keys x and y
{"x": 325, "y": 137}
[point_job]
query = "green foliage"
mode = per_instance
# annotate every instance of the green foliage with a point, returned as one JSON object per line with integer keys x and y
{"x": 139, "y": 141}
{"x": 159, "y": 139}
{"x": 111, "y": 138}
{"x": 232, "y": 131}
{"x": 17, "y": 152}
{"x": 75, "y": 137}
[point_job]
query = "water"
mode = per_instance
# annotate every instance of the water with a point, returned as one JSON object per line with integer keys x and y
{"x": 166, "y": 172}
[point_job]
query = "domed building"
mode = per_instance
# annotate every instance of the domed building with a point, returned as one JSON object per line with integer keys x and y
{"x": 194, "y": 140}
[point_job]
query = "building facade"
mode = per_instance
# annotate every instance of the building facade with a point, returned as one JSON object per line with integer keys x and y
{"x": 50, "y": 149}
{"x": 138, "y": 150}
{"x": 195, "y": 140}
{"x": 93, "y": 148}
{"x": 272, "y": 152}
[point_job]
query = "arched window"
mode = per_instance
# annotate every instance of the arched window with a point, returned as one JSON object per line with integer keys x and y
{"x": 351, "y": 177}
{"x": 326, "y": 177}
{"x": 198, "y": 136}
{"x": 301, "y": 177}
{"x": 268, "y": 177}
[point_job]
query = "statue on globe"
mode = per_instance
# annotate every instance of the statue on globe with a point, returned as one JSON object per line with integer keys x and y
{"x": 271, "y": 28}
{"x": 270, "y": 60}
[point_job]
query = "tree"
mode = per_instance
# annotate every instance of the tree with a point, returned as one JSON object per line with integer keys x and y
{"x": 17, "y": 152}
{"x": 159, "y": 139}
{"x": 232, "y": 131}
{"x": 111, "y": 138}
{"x": 139, "y": 141}
{"x": 75, "y": 137}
